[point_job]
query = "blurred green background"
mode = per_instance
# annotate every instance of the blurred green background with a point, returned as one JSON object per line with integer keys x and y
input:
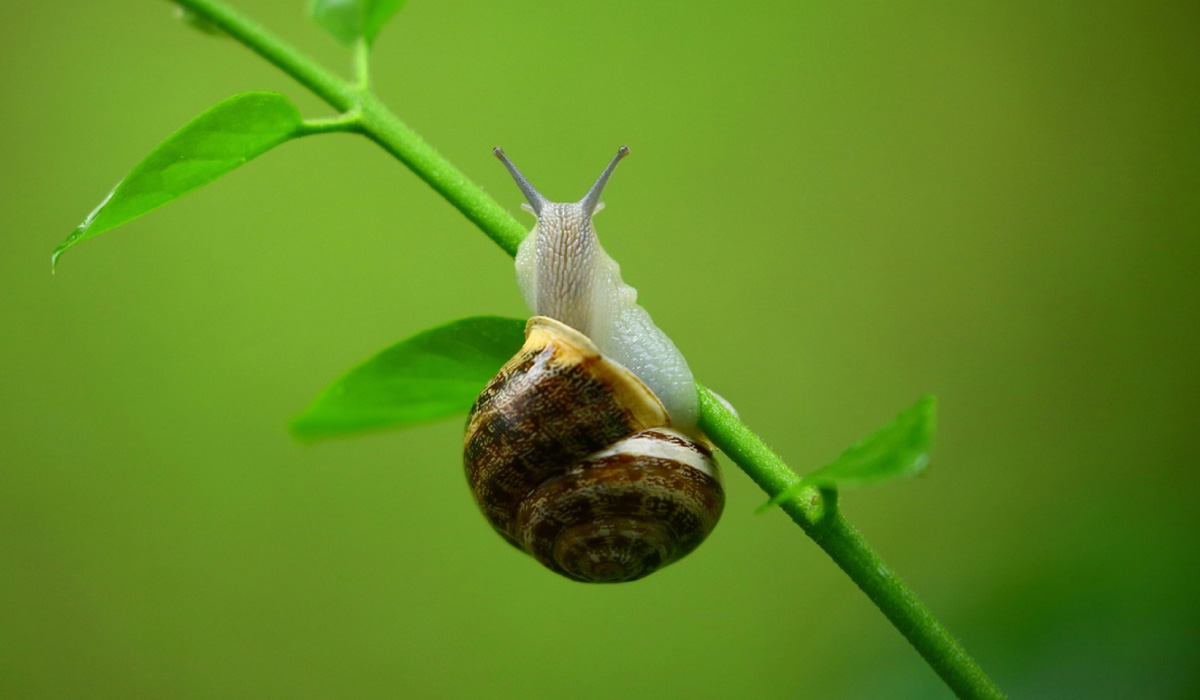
{"x": 832, "y": 207}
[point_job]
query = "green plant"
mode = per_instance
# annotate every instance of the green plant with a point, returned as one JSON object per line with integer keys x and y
{"x": 439, "y": 372}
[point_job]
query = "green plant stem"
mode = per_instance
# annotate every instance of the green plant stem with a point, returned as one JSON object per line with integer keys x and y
{"x": 382, "y": 127}
{"x": 379, "y": 124}
{"x": 249, "y": 33}
{"x": 815, "y": 510}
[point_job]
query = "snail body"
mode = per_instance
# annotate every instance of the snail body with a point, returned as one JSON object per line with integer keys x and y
{"x": 583, "y": 451}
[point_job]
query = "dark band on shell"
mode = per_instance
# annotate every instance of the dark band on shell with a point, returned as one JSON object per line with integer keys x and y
{"x": 572, "y": 459}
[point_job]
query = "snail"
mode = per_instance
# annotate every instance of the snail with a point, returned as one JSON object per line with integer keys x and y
{"x": 584, "y": 450}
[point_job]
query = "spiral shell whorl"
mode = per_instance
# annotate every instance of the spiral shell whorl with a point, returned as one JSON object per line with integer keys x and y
{"x": 570, "y": 458}
{"x": 625, "y": 511}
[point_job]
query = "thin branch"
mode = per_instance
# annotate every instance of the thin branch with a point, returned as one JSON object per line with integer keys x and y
{"x": 282, "y": 55}
{"x": 395, "y": 137}
{"x": 816, "y": 511}
{"x": 379, "y": 124}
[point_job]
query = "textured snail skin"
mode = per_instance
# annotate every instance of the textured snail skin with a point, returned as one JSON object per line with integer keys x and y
{"x": 573, "y": 460}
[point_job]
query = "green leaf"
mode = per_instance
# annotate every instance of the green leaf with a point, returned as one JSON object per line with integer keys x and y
{"x": 898, "y": 450}
{"x": 432, "y": 375}
{"x": 212, "y": 144}
{"x": 350, "y": 20}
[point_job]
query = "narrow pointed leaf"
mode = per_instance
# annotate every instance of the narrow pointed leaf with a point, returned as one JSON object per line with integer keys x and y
{"x": 432, "y": 375}
{"x": 219, "y": 140}
{"x": 351, "y": 20}
{"x": 898, "y": 450}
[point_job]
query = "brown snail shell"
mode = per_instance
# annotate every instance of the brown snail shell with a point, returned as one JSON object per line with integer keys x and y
{"x": 572, "y": 459}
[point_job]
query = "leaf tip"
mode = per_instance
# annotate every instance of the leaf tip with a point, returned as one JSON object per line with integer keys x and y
{"x": 927, "y": 408}
{"x": 62, "y": 248}
{"x": 80, "y": 233}
{"x": 301, "y": 429}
